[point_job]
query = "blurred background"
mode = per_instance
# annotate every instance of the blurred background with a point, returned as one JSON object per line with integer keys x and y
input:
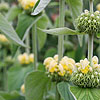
{"x": 12, "y": 71}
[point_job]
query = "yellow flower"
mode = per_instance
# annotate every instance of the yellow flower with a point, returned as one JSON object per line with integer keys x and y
{"x": 47, "y": 61}
{"x": 23, "y": 88}
{"x": 27, "y": 4}
{"x": 83, "y": 66}
{"x": 61, "y": 70}
{"x": 31, "y": 58}
{"x": 53, "y": 66}
{"x": 61, "y": 74}
{"x": 68, "y": 63}
{"x": 85, "y": 70}
{"x": 23, "y": 58}
{"x": 98, "y": 7}
{"x": 3, "y": 38}
{"x": 56, "y": 58}
{"x": 95, "y": 60}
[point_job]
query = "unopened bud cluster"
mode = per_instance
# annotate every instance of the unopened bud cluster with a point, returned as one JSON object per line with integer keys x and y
{"x": 26, "y": 58}
{"x": 61, "y": 71}
{"x": 4, "y": 7}
{"x": 87, "y": 76}
{"x": 89, "y": 22}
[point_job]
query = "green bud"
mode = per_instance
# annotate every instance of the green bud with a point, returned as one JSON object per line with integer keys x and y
{"x": 89, "y": 22}
{"x": 4, "y": 7}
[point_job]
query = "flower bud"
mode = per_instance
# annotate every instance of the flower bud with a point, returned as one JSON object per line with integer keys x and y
{"x": 23, "y": 89}
{"x": 88, "y": 23}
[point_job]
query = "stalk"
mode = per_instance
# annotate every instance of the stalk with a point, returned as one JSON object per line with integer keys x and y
{"x": 60, "y": 37}
{"x": 57, "y": 94}
{"x": 5, "y": 76}
{"x": 27, "y": 43}
{"x": 61, "y": 24}
{"x": 90, "y": 39}
{"x": 34, "y": 43}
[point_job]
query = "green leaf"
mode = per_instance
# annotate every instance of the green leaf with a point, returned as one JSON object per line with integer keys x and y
{"x": 85, "y": 93}
{"x": 42, "y": 23}
{"x": 98, "y": 35}
{"x": 62, "y": 31}
{"x": 1, "y": 98}
{"x": 76, "y": 7}
{"x": 35, "y": 85}
{"x": 25, "y": 23}
{"x": 41, "y": 6}
{"x": 11, "y": 96}
{"x": 8, "y": 30}
{"x": 13, "y": 13}
{"x": 63, "y": 89}
{"x": 16, "y": 75}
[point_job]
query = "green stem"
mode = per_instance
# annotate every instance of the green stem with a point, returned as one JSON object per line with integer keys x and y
{"x": 61, "y": 24}
{"x": 28, "y": 43}
{"x": 57, "y": 97}
{"x": 90, "y": 48}
{"x": 90, "y": 39}
{"x": 5, "y": 76}
{"x": 34, "y": 38}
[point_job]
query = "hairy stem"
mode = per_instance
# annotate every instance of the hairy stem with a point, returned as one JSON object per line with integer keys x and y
{"x": 90, "y": 39}
{"x": 28, "y": 43}
{"x": 34, "y": 38}
{"x": 61, "y": 24}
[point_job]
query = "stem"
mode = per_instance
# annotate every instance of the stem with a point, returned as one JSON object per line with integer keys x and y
{"x": 61, "y": 24}
{"x": 57, "y": 97}
{"x": 90, "y": 48}
{"x": 34, "y": 41}
{"x": 5, "y": 73}
{"x": 90, "y": 39}
{"x": 27, "y": 43}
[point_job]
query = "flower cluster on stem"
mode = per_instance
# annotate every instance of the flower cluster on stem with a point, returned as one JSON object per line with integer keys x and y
{"x": 61, "y": 71}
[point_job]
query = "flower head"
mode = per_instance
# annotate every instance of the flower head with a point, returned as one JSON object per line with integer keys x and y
{"x": 86, "y": 75}
{"x": 27, "y": 4}
{"x": 89, "y": 22}
{"x": 63, "y": 69}
{"x": 25, "y": 58}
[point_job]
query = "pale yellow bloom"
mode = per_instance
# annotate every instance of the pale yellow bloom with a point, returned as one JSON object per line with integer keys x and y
{"x": 95, "y": 60}
{"x": 53, "y": 66}
{"x": 68, "y": 64}
{"x": 23, "y": 58}
{"x": 3, "y": 38}
{"x": 23, "y": 88}
{"x": 83, "y": 66}
{"x": 27, "y": 4}
{"x": 98, "y": 7}
{"x": 56, "y": 58}
{"x": 31, "y": 58}
{"x": 47, "y": 61}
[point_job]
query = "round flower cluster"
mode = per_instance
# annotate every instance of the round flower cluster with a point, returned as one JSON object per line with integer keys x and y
{"x": 3, "y": 39}
{"x": 86, "y": 75}
{"x": 27, "y": 4}
{"x": 25, "y": 58}
{"x": 89, "y": 22}
{"x": 4, "y": 7}
{"x": 61, "y": 71}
